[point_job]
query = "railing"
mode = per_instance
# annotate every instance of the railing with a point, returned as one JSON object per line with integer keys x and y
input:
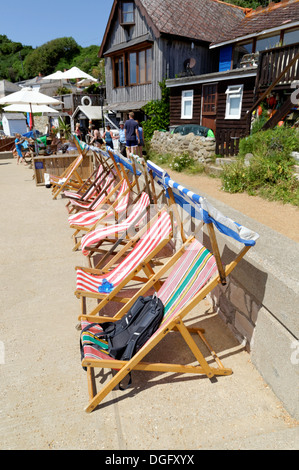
{"x": 227, "y": 141}
{"x": 272, "y": 62}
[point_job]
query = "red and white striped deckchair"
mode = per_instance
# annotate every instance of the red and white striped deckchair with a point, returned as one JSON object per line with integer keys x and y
{"x": 94, "y": 238}
{"x": 88, "y": 218}
{"x": 104, "y": 210}
{"x": 88, "y": 191}
{"x": 96, "y": 200}
{"x": 89, "y": 186}
{"x": 193, "y": 276}
{"x": 152, "y": 239}
{"x": 70, "y": 178}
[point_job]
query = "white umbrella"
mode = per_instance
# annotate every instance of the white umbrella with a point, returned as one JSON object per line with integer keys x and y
{"x": 25, "y": 108}
{"x": 75, "y": 72}
{"x": 28, "y": 96}
{"x": 55, "y": 76}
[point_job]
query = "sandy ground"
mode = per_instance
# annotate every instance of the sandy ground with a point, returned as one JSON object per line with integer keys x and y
{"x": 43, "y": 388}
{"x": 284, "y": 218}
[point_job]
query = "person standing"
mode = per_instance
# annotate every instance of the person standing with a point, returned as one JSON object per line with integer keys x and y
{"x": 131, "y": 132}
{"x": 96, "y": 138}
{"x": 108, "y": 137}
{"x": 18, "y": 144}
{"x": 122, "y": 139}
{"x": 141, "y": 141}
{"x": 78, "y": 131}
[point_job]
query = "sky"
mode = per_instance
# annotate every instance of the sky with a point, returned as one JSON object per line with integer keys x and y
{"x": 35, "y": 22}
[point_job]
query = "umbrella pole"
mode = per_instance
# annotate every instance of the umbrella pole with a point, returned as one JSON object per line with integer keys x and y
{"x": 31, "y": 115}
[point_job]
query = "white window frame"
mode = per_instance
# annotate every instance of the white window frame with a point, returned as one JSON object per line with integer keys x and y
{"x": 233, "y": 91}
{"x": 185, "y": 99}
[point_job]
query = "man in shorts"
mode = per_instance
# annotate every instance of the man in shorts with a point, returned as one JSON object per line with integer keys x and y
{"x": 131, "y": 133}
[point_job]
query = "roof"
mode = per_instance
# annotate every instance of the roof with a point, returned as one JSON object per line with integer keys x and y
{"x": 91, "y": 112}
{"x": 14, "y": 116}
{"x": 7, "y": 87}
{"x": 240, "y": 73}
{"x": 263, "y": 18}
{"x": 200, "y": 20}
{"x": 126, "y": 106}
{"x": 133, "y": 42}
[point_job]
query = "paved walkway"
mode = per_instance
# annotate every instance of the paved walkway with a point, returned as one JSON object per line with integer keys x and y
{"x": 43, "y": 388}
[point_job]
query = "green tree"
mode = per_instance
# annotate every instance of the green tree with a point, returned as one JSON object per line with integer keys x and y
{"x": 44, "y": 59}
{"x": 12, "y": 56}
{"x": 252, "y": 3}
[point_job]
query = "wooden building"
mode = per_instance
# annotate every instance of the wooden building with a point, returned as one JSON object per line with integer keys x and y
{"x": 258, "y": 60}
{"x": 146, "y": 41}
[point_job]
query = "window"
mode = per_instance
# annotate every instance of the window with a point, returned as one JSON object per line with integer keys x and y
{"x": 234, "y": 95}
{"x": 209, "y": 99}
{"x": 187, "y": 104}
{"x": 291, "y": 37}
{"x": 239, "y": 51}
{"x": 267, "y": 43}
{"x": 119, "y": 73}
{"x": 133, "y": 68}
{"x": 127, "y": 15}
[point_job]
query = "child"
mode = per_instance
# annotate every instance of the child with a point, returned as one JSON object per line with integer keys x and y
{"x": 18, "y": 143}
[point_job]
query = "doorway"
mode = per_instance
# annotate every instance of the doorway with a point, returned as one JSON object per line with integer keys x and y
{"x": 209, "y": 106}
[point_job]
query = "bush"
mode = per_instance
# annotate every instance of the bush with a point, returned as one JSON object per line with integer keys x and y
{"x": 181, "y": 162}
{"x": 177, "y": 163}
{"x": 158, "y": 112}
{"x": 270, "y": 172}
{"x": 282, "y": 140}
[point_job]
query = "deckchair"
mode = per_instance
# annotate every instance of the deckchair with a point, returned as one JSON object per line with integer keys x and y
{"x": 87, "y": 192}
{"x": 69, "y": 178}
{"x": 91, "y": 242}
{"x": 86, "y": 221}
{"x": 104, "y": 187}
{"x": 193, "y": 276}
{"x": 147, "y": 243}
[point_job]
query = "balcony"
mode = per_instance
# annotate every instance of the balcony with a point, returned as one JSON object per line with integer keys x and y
{"x": 273, "y": 62}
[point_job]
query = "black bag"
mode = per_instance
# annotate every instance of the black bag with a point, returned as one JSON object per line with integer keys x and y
{"x": 126, "y": 336}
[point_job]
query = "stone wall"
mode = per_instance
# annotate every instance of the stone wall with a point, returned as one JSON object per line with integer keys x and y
{"x": 199, "y": 148}
{"x": 260, "y": 302}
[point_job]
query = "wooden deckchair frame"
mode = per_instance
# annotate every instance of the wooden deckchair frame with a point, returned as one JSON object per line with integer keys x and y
{"x": 74, "y": 180}
{"x": 175, "y": 323}
{"x": 91, "y": 185}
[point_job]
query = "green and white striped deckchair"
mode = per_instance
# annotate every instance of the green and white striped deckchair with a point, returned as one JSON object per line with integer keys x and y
{"x": 194, "y": 274}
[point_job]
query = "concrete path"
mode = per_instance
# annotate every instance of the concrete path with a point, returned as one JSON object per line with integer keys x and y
{"x": 43, "y": 389}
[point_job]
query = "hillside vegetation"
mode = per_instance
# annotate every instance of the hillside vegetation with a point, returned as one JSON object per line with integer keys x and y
{"x": 19, "y": 62}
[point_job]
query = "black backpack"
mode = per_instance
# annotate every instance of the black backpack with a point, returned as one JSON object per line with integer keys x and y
{"x": 126, "y": 336}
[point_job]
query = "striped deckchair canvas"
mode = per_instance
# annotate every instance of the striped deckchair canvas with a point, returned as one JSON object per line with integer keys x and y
{"x": 152, "y": 239}
{"x": 90, "y": 218}
{"x": 194, "y": 274}
{"x": 97, "y": 200}
{"x": 93, "y": 238}
{"x": 190, "y": 274}
{"x": 88, "y": 190}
